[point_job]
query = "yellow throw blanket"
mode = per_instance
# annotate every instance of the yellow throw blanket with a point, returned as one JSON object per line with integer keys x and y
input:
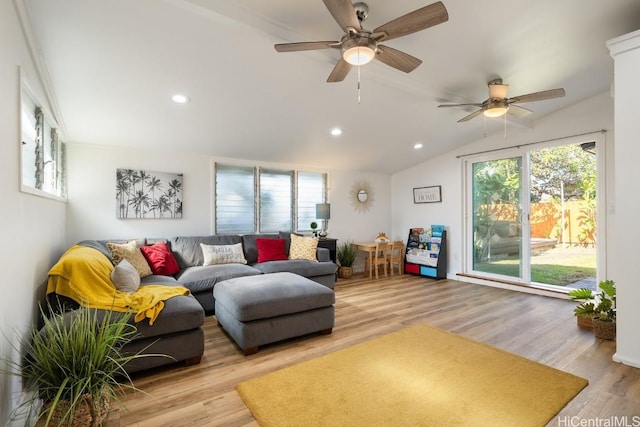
{"x": 84, "y": 275}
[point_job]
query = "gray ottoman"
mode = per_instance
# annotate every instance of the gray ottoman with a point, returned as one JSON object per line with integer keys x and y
{"x": 258, "y": 310}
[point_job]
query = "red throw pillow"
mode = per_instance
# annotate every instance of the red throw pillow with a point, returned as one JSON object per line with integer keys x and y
{"x": 271, "y": 250}
{"x": 160, "y": 259}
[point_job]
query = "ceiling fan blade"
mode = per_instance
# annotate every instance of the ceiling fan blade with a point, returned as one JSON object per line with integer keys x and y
{"x": 339, "y": 72}
{"x": 538, "y": 96}
{"x": 344, "y": 14}
{"x": 412, "y": 22}
{"x": 397, "y": 59}
{"x": 518, "y": 111}
{"x": 460, "y": 105}
{"x": 471, "y": 116}
{"x": 296, "y": 47}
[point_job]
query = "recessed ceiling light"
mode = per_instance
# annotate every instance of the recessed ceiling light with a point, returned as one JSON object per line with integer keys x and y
{"x": 417, "y": 146}
{"x": 180, "y": 99}
{"x": 336, "y": 131}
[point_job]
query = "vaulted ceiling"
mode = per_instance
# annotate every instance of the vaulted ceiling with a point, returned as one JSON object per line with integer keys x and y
{"x": 113, "y": 66}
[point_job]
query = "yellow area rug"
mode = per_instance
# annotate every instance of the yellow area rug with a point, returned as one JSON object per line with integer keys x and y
{"x": 418, "y": 376}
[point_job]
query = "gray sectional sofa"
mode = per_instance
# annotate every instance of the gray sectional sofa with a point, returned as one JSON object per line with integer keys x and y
{"x": 201, "y": 280}
{"x": 177, "y": 331}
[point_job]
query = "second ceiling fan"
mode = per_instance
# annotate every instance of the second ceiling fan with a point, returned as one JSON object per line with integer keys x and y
{"x": 360, "y": 46}
{"x": 498, "y": 104}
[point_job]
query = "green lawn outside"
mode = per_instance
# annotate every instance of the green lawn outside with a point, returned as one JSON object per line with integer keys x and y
{"x": 551, "y": 267}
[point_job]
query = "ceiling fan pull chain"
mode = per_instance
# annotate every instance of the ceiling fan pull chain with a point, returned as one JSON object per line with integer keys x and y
{"x": 358, "y": 76}
{"x": 485, "y": 125}
{"x": 505, "y": 125}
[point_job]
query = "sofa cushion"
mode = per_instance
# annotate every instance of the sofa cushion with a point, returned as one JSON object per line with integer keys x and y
{"x": 271, "y": 250}
{"x": 250, "y": 245}
{"x": 270, "y": 295}
{"x": 303, "y": 248}
{"x": 125, "y": 277}
{"x": 302, "y": 267}
{"x": 160, "y": 280}
{"x": 180, "y": 313}
{"x": 222, "y": 254}
{"x": 131, "y": 252}
{"x": 160, "y": 259}
{"x": 202, "y": 278}
{"x": 187, "y": 249}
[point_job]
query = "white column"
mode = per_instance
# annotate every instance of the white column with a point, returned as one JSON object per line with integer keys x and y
{"x": 624, "y": 244}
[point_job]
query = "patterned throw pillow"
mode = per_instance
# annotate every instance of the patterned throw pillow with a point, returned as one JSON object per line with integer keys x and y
{"x": 125, "y": 277}
{"x": 131, "y": 253}
{"x": 223, "y": 254}
{"x": 303, "y": 248}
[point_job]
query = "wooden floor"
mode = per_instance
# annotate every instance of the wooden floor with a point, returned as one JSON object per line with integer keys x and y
{"x": 539, "y": 328}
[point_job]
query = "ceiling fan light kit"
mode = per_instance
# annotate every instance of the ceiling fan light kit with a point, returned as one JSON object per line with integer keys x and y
{"x": 360, "y": 46}
{"x": 496, "y": 109}
{"x": 359, "y": 50}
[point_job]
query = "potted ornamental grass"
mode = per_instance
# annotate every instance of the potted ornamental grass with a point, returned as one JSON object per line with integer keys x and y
{"x": 346, "y": 255}
{"x": 600, "y": 307}
{"x": 73, "y": 367}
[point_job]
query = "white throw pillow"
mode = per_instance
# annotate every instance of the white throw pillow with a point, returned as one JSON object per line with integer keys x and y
{"x": 223, "y": 254}
{"x": 125, "y": 277}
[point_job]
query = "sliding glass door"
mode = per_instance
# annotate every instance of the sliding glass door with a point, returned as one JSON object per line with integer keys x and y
{"x": 498, "y": 209}
{"x": 531, "y": 215}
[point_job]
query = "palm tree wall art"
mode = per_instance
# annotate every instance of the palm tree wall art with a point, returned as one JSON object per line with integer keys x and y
{"x": 148, "y": 195}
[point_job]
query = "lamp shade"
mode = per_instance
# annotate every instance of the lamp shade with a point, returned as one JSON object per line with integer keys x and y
{"x": 323, "y": 211}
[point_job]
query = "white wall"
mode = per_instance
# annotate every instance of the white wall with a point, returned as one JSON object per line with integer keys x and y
{"x": 626, "y": 232}
{"x": 91, "y": 212}
{"x": 32, "y": 228}
{"x": 92, "y": 194}
{"x": 446, "y": 170}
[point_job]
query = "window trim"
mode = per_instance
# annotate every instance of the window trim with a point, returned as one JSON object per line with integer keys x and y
{"x": 26, "y": 90}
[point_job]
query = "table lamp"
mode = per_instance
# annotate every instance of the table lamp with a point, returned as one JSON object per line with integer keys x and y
{"x": 323, "y": 212}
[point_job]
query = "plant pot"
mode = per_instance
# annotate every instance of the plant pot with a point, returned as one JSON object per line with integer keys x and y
{"x": 584, "y": 322}
{"x": 604, "y": 330}
{"x": 88, "y": 413}
{"x": 345, "y": 272}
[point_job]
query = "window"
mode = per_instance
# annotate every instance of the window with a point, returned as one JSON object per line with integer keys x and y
{"x": 253, "y": 199}
{"x": 235, "y": 195}
{"x": 276, "y": 201}
{"x": 311, "y": 191}
{"x": 42, "y": 152}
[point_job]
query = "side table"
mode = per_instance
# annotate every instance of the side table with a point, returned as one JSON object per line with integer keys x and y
{"x": 330, "y": 244}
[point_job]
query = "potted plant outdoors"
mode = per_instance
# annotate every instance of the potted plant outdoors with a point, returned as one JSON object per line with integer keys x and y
{"x": 314, "y": 229}
{"x": 346, "y": 255}
{"x": 600, "y": 307}
{"x": 74, "y": 366}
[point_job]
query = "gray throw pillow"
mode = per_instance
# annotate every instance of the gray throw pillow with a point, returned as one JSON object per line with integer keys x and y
{"x": 125, "y": 277}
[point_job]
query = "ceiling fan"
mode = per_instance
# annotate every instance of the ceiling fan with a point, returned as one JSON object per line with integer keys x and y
{"x": 360, "y": 46}
{"x": 498, "y": 104}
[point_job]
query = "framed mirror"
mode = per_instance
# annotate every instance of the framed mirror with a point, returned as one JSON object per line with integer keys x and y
{"x": 362, "y": 196}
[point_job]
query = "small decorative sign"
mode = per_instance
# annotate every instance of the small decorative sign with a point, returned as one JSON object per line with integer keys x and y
{"x": 431, "y": 194}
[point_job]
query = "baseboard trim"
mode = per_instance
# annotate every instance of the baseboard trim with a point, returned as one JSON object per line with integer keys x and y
{"x": 621, "y": 359}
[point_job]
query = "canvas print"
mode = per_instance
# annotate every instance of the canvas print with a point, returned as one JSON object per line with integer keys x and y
{"x": 148, "y": 195}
